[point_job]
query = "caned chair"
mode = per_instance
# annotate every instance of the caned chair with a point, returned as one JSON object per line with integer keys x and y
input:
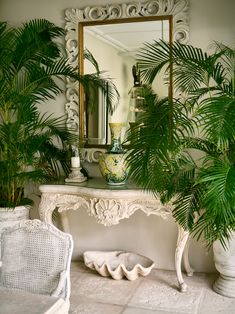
{"x": 36, "y": 259}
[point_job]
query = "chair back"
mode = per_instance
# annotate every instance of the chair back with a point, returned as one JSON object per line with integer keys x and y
{"x": 36, "y": 257}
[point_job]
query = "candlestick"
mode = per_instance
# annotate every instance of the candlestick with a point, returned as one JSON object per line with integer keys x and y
{"x": 75, "y": 162}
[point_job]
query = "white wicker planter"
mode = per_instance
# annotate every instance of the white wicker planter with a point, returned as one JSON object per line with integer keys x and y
{"x": 11, "y": 216}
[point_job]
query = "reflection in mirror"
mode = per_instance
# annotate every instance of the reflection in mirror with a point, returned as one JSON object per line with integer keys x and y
{"x": 115, "y": 47}
{"x": 98, "y": 24}
{"x": 95, "y": 117}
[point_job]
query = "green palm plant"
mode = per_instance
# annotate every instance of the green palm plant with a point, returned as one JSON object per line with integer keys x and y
{"x": 185, "y": 149}
{"x": 32, "y": 71}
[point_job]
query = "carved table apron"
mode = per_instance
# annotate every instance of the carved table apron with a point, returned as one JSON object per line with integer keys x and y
{"x": 110, "y": 204}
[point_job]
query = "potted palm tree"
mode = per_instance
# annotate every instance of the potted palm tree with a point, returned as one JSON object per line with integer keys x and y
{"x": 184, "y": 151}
{"x": 33, "y": 146}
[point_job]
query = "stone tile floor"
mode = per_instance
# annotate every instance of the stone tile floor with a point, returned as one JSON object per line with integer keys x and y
{"x": 156, "y": 293}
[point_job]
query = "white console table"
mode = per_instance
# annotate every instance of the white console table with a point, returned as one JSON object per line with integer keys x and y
{"x": 110, "y": 204}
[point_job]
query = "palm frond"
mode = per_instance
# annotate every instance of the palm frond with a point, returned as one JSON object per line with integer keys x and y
{"x": 33, "y": 147}
{"x": 35, "y": 42}
{"x": 89, "y": 56}
{"x": 193, "y": 152}
{"x": 155, "y": 141}
{"x": 105, "y": 84}
{"x": 217, "y": 117}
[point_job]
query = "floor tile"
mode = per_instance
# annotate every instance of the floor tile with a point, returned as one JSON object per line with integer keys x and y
{"x": 200, "y": 279}
{"x": 95, "y": 308}
{"x": 159, "y": 292}
{"x": 213, "y": 302}
{"x": 102, "y": 289}
{"x": 134, "y": 310}
{"x": 156, "y": 293}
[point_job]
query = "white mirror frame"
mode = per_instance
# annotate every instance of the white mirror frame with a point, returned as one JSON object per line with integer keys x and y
{"x": 177, "y": 8}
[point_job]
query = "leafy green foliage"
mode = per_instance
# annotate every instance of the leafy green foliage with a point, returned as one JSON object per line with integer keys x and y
{"x": 33, "y": 147}
{"x": 184, "y": 149}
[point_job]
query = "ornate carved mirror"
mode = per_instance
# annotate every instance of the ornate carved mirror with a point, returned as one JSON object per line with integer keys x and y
{"x": 113, "y": 34}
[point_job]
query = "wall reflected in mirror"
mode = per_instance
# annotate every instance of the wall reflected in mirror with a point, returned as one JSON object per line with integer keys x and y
{"x": 115, "y": 47}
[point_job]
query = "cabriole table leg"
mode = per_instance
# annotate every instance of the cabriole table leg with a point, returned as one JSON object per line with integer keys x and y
{"x": 46, "y": 207}
{"x": 189, "y": 270}
{"x": 181, "y": 242}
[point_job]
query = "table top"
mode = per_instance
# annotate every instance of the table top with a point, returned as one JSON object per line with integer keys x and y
{"x": 95, "y": 187}
{"x": 97, "y": 183}
{"x": 93, "y": 183}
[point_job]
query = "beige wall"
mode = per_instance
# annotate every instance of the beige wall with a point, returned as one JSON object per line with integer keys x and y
{"x": 209, "y": 20}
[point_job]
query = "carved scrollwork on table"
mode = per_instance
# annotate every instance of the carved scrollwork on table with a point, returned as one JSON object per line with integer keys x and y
{"x": 49, "y": 202}
{"x": 106, "y": 211}
{"x": 110, "y": 211}
{"x": 47, "y": 206}
{"x": 150, "y": 207}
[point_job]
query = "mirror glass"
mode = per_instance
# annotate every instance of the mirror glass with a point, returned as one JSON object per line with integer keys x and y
{"x": 115, "y": 47}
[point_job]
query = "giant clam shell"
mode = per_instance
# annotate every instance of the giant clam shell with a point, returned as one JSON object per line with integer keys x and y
{"x": 118, "y": 264}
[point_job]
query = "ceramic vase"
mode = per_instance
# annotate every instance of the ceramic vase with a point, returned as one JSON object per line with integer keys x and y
{"x": 112, "y": 163}
{"x": 225, "y": 264}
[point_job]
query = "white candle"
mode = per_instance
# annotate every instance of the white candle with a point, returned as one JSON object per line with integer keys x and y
{"x": 75, "y": 162}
